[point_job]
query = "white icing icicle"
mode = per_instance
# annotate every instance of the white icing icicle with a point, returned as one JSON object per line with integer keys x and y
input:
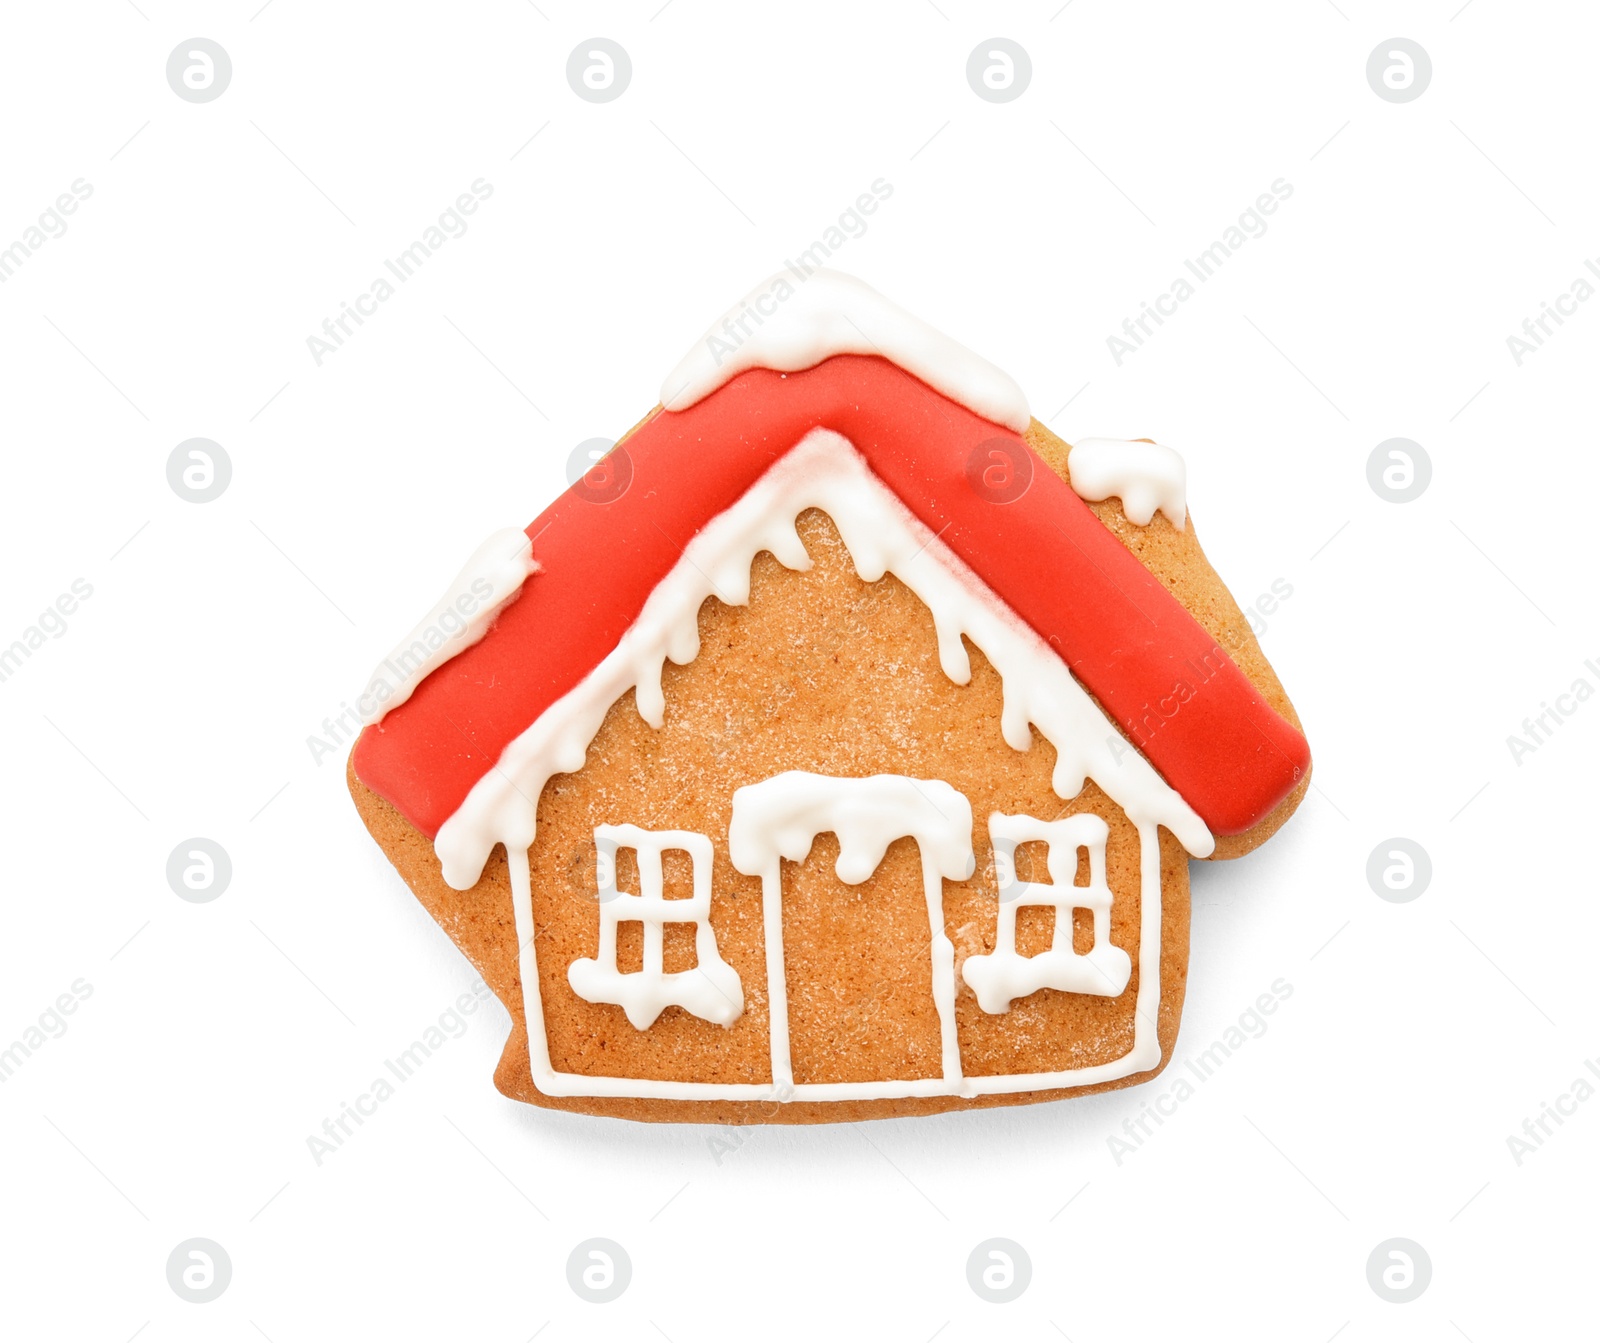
{"x": 794, "y": 321}
{"x": 781, "y": 816}
{"x": 1145, "y": 476}
{"x": 491, "y": 578}
{"x": 823, "y": 471}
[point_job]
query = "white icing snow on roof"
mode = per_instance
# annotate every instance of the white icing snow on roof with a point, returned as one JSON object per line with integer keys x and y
{"x": 489, "y": 580}
{"x": 1145, "y": 476}
{"x": 795, "y": 321}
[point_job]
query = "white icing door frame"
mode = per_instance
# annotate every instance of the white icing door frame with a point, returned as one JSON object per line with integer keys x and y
{"x": 781, "y": 818}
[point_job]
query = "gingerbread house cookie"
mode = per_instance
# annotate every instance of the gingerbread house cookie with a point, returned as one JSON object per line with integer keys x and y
{"x": 836, "y": 748}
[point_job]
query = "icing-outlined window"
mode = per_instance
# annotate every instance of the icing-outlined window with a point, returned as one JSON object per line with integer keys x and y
{"x": 1003, "y": 975}
{"x": 711, "y": 990}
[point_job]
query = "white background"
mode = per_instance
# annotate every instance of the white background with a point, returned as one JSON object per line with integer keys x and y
{"x": 179, "y": 700}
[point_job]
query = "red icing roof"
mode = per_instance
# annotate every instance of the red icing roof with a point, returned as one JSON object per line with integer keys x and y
{"x": 1126, "y": 639}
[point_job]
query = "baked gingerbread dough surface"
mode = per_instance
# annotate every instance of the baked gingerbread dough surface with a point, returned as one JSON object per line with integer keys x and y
{"x": 826, "y": 673}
